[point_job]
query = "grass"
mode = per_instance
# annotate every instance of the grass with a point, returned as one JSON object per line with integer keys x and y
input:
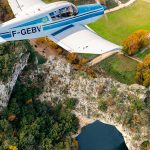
{"x": 118, "y": 25}
{"x": 142, "y": 55}
{"x": 87, "y": 56}
{"x": 120, "y": 68}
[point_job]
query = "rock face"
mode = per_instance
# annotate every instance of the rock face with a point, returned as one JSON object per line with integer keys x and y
{"x": 6, "y": 88}
{"x": 119, "y": 100}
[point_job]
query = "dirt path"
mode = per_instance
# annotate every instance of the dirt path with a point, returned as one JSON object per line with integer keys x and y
{"x": 134, "y": 58}
{"x": 120, "y": 6}
{"x": 101, "y": 57}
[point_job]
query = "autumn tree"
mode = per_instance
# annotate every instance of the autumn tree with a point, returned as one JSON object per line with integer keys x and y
{"x": 40, "y": 41}
{"x": 143, "y": 72}
{"x": 72, "y": 57}
{"x": 5, "y": 11}
{"x": 136, "y": 41}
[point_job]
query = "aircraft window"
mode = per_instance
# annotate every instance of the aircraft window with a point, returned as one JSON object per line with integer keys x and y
{"x": 54, "y": 15}
{"x": 64, "y": 12}
{"x": 75, "y": 10}
{"x": 68, "y": 11}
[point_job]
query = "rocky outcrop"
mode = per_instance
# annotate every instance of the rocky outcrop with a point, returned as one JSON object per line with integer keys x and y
{"x": 121, "y": 100}
{"x": 7, "y": 87}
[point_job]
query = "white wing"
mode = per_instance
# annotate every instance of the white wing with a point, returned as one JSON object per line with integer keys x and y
{"x": 79, "y": 39}
{"x": 2, "y": 40}
{"x": 18, "y": 6}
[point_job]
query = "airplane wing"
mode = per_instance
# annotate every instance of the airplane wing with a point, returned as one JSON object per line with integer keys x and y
{"x": 2, "y": 40}
{"x": 18, "y": 6}
{"x": 79, "y": 39}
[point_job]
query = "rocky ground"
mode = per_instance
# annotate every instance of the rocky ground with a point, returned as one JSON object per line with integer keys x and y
{"x": 99, "y": 98}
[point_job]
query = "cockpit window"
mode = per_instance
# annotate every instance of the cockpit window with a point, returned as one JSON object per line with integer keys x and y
{"x": 54, "y": 15}
{"x": 64, "y": 12}
{"x": 75, "y": 10}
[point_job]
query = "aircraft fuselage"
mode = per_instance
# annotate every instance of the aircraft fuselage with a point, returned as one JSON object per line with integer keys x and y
{"x": 49, "y": 20}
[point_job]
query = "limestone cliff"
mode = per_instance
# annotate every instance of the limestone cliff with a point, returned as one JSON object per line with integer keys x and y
{"x": 17, "y": 60}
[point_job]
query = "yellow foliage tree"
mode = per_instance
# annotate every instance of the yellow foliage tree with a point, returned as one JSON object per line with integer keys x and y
{"x": 5, "y": 11}
{"x": 13, "y": 148}
{"x": 83, "y": 61}
{"x": 41, "y": 40}
{"x": 52, "y": 44}
{"x": 143, "y": 72}
{"x": 71, "y": 57}
{"x": 136, "y": 41}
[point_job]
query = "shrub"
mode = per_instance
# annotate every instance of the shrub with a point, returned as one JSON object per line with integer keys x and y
{"x": 83, "y": 61}
{"x": 5, "y": 11}
{"x": 145, "y": 145}
{"x": 143, "y": 72}
{"x": 71, "y": 103}
{"x": 102, "y": 106}
{"x": 136, "y": 41}
{"x": 41, "y": 40}
{"x": 72, "y": 57}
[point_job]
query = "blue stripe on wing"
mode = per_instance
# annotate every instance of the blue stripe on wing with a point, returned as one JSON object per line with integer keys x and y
{"x": 5, "y": 36}
{"x": 63, "y": 29}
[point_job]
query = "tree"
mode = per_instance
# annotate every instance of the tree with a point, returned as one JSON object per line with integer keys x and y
{"x": 143, "y": 72}
{"x": 13, "y": 148}
{"x": 38, "y": 125}
{"x": 5, "y": 11}
{"x": 41, "y": 40}
{"x": 71, "y": 103}
{"x": 102, "y": 106}
{"x": 72, "y": 57}
{"x": 136, "y": 41}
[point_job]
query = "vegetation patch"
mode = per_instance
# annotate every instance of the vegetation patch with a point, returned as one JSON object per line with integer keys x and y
{"x": 102, "y": 105}
{"x": 130, "y": 111}
{"x": 28, "y": 124}
{"x": 71, "y": 103}
{"x": 5, "y": 11}
{"x": 10, "y": 54}
{"x": 35, "y": 57}
{"x": 120, "y": 68}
